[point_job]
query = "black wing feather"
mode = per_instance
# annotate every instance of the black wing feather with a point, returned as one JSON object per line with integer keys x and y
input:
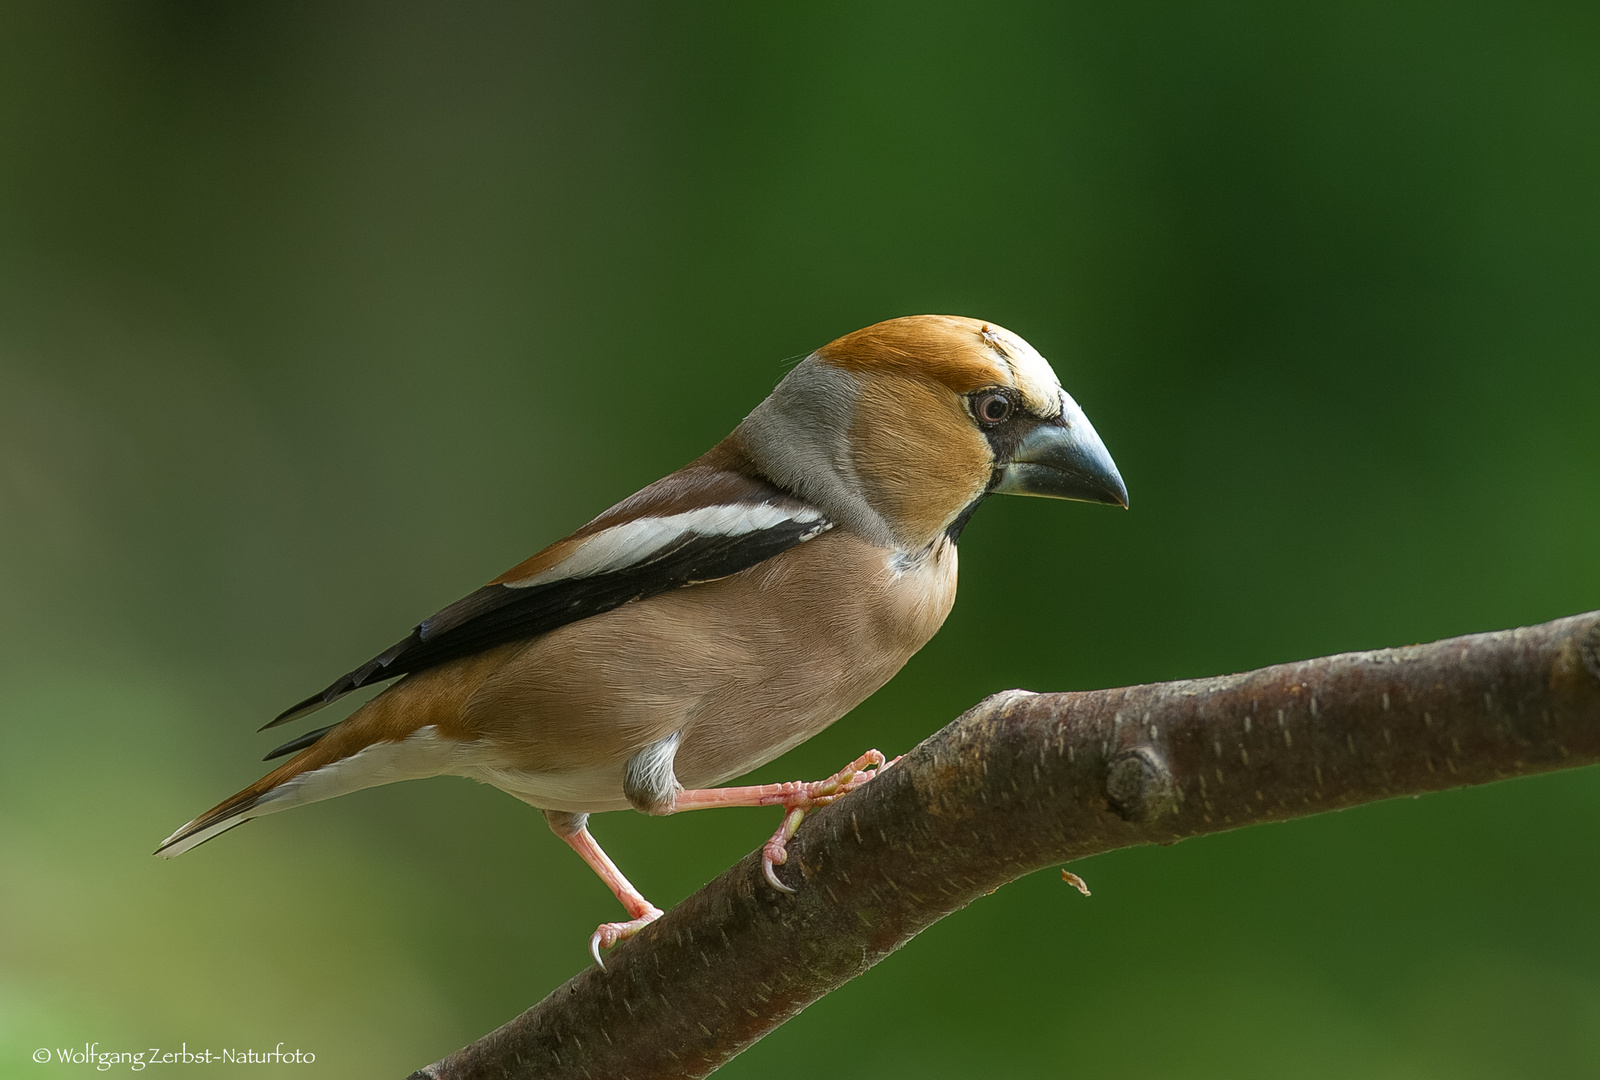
{"x": 300, "y": 742}
{"x": 499, "y": 614}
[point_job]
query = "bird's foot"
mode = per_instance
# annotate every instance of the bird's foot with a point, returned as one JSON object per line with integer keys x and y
{"x": 803, "y": 797}
{"x": 608, "y": 934}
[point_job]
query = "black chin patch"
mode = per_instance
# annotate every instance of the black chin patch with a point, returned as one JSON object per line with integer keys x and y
{"x": 960, "y": 523}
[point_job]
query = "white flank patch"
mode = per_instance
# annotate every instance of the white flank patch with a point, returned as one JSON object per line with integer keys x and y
{"x": 631, "y": 543}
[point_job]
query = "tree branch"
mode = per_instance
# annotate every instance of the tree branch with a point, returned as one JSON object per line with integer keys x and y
{"x": 1023, "y": 781}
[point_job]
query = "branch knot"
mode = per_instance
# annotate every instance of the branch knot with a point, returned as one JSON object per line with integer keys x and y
{"x": 1139, "y": 785}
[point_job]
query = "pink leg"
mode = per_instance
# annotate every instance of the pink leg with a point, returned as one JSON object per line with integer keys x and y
{"x": 797, "y": 797}
{"x": 643, "y": 912}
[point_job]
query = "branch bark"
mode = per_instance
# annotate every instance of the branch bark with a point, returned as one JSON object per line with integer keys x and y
{"x": 1024, "y": 781}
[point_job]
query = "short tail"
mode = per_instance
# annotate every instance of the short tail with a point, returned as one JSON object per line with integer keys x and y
{"x": 212, "y": 823}
{"x": 387, "y": 739}
{"x": 262, "y": 797}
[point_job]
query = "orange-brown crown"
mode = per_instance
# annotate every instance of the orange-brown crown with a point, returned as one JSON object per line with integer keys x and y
{"x": 960, "y": 353}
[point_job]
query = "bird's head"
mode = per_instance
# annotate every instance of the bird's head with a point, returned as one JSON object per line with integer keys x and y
{"x": 902, "y": 428}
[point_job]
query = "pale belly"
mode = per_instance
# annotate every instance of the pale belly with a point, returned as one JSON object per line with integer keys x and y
{"x": 744, "y": 668}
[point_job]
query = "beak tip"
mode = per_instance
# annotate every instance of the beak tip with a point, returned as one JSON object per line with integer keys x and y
{"x": 1115, "y": 489}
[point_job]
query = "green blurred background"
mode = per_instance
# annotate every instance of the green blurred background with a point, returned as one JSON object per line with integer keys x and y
{"x": 314, "y": 317}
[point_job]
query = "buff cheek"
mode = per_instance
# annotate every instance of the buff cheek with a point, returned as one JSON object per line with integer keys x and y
{"x": 920, "y": 458}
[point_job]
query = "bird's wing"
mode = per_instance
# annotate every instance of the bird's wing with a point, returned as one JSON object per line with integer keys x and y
{"x": 699, "y": 524}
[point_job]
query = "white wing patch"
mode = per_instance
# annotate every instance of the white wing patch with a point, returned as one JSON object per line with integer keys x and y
{"x": 632, "y": 542}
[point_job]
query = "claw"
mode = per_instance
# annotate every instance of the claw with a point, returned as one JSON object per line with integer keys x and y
{"x": 767, "y": 864}
{"x": 609, "y": 934}
{"x": 814, "y": 796}
{"x": 797, "y": 797}
{"x": 776, "y": 851}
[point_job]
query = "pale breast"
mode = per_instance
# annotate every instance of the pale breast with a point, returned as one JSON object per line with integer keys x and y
{"x": 745, "y": 667}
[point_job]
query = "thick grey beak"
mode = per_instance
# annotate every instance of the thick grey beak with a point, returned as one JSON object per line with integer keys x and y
{"x": 1064, "y": 459}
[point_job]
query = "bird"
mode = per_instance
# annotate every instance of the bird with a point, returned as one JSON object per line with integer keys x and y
{"x": 720, "y": 616}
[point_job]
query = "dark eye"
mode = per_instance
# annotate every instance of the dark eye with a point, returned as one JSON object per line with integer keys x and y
{"x": 992, "y": 408}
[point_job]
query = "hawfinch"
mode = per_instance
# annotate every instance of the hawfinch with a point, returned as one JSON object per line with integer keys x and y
{"x": 721, "y": 616}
